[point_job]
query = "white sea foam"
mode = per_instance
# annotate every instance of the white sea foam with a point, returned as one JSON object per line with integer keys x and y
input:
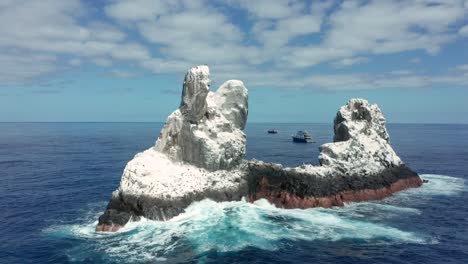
{"x": 229, "y": 226}
{"x": 232, "y": 226}
{"x": 441, "y": 185}
{"x": 437, "y": 185}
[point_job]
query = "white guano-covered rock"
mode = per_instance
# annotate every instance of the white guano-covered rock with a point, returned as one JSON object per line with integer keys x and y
{"x": 361, "y": 143}
{"x": 201, "y": 147}
{"x": 152, "y": 173}
{"x": 195, "y": 90}
{"x": 231, "y": 98}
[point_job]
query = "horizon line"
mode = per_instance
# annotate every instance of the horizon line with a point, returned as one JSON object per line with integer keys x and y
{"x": 253, "y": 122}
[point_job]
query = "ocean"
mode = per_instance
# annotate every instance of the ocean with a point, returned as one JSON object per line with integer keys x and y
{"x": 56, "y": 179}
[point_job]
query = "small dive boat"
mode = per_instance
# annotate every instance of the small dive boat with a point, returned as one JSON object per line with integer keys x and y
{"x": 272, "y": 131}
{"x": 302, "y": 136}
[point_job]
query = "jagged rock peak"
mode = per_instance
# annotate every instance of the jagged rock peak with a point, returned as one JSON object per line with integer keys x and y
{"x": 195, "y": 90}
{"x": 206, "y": 130}
{"x": 231, "y": 98}
{"x": 361, "y": 143}
{"x": 358, "y": 117}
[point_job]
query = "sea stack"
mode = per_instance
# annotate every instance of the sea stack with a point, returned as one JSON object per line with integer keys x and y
{"x": 360, "y": 165}
{"x": 200, "y": 154}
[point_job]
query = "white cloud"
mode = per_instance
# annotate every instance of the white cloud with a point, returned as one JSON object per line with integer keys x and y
{"x": 132, "y": 51}
{"x": 356, "y": 81}
{"x": 24, "y": 68}
{"x": 198, "y": 35}
{"x": 48, "y": 19}
{"x": 74, "y": 62}
{"x": 191, "y": 25}
{"x": 350, "y": 61}
{"x": 463, "y": 31}
{"x": 382, "y": 27}
{"x": 313, "y": 55}
{"x": 298, "y": 20}
{"x": 134, "y": 10}
{"x": 286, "y": 29}
{"x": 401, "y": 72}
{"x": 105, "y": 32}
{"x": 54, "y": 27}
{"x": 123, "y": 74}
{"x": 165, "y": 66}
{"x": 267, "y": 9}
{"x": 415, "y": 60}
{"x": 278, "y": 45}
{"x": 103, "y": 62}
{"x": 463, "y": 67}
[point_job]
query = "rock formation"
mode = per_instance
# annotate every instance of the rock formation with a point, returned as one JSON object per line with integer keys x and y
{"x": 206, "y": 130}
{"x": 200, "y": 153}
{"x": 359, "y": 165}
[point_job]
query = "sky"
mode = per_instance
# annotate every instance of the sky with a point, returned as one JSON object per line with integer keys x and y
{"x": 124, "y": 60}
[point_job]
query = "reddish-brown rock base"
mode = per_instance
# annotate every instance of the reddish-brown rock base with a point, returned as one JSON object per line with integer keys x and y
{"x": 286, "y": 200}
{"x": 108, "y": 228}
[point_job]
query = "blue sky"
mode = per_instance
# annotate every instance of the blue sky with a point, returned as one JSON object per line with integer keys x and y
{"x": 124, "y": 60}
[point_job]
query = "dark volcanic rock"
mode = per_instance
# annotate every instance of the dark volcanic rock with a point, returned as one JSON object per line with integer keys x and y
{"x": 288, "y": 188}
{"x": 123, "y": 208}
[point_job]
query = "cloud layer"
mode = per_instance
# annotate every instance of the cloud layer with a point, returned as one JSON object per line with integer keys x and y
{"x": 266, "y": 43}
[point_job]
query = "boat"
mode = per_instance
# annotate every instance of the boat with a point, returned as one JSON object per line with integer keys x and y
{"x": 272, "y": 131}
{"x": 302, "y": 136}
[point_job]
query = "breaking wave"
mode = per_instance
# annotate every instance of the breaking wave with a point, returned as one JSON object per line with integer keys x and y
{"x": 232, "y": 226}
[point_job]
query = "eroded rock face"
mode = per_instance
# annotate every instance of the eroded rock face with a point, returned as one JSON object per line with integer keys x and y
{"x": 195, "y": 89}
{"x": 231, "y": 98}
{"x": 358, "y": 117}
{"x": 206, "y": 130}
{"x": 361, "y": 142}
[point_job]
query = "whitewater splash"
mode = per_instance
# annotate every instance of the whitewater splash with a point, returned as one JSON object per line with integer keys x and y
{"x": 232, "y": 226}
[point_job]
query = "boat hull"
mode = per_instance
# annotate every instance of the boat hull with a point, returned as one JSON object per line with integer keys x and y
{"x": 302, "y": 140}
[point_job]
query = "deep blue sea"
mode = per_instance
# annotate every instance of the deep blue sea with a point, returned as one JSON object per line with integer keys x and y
{"x": 56, "y": 179}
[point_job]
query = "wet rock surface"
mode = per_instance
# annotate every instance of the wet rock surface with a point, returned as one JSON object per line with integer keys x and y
{"x": 123, "y": 208}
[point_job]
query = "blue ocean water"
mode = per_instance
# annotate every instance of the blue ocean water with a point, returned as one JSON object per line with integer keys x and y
{"x": 57, "y": 178}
